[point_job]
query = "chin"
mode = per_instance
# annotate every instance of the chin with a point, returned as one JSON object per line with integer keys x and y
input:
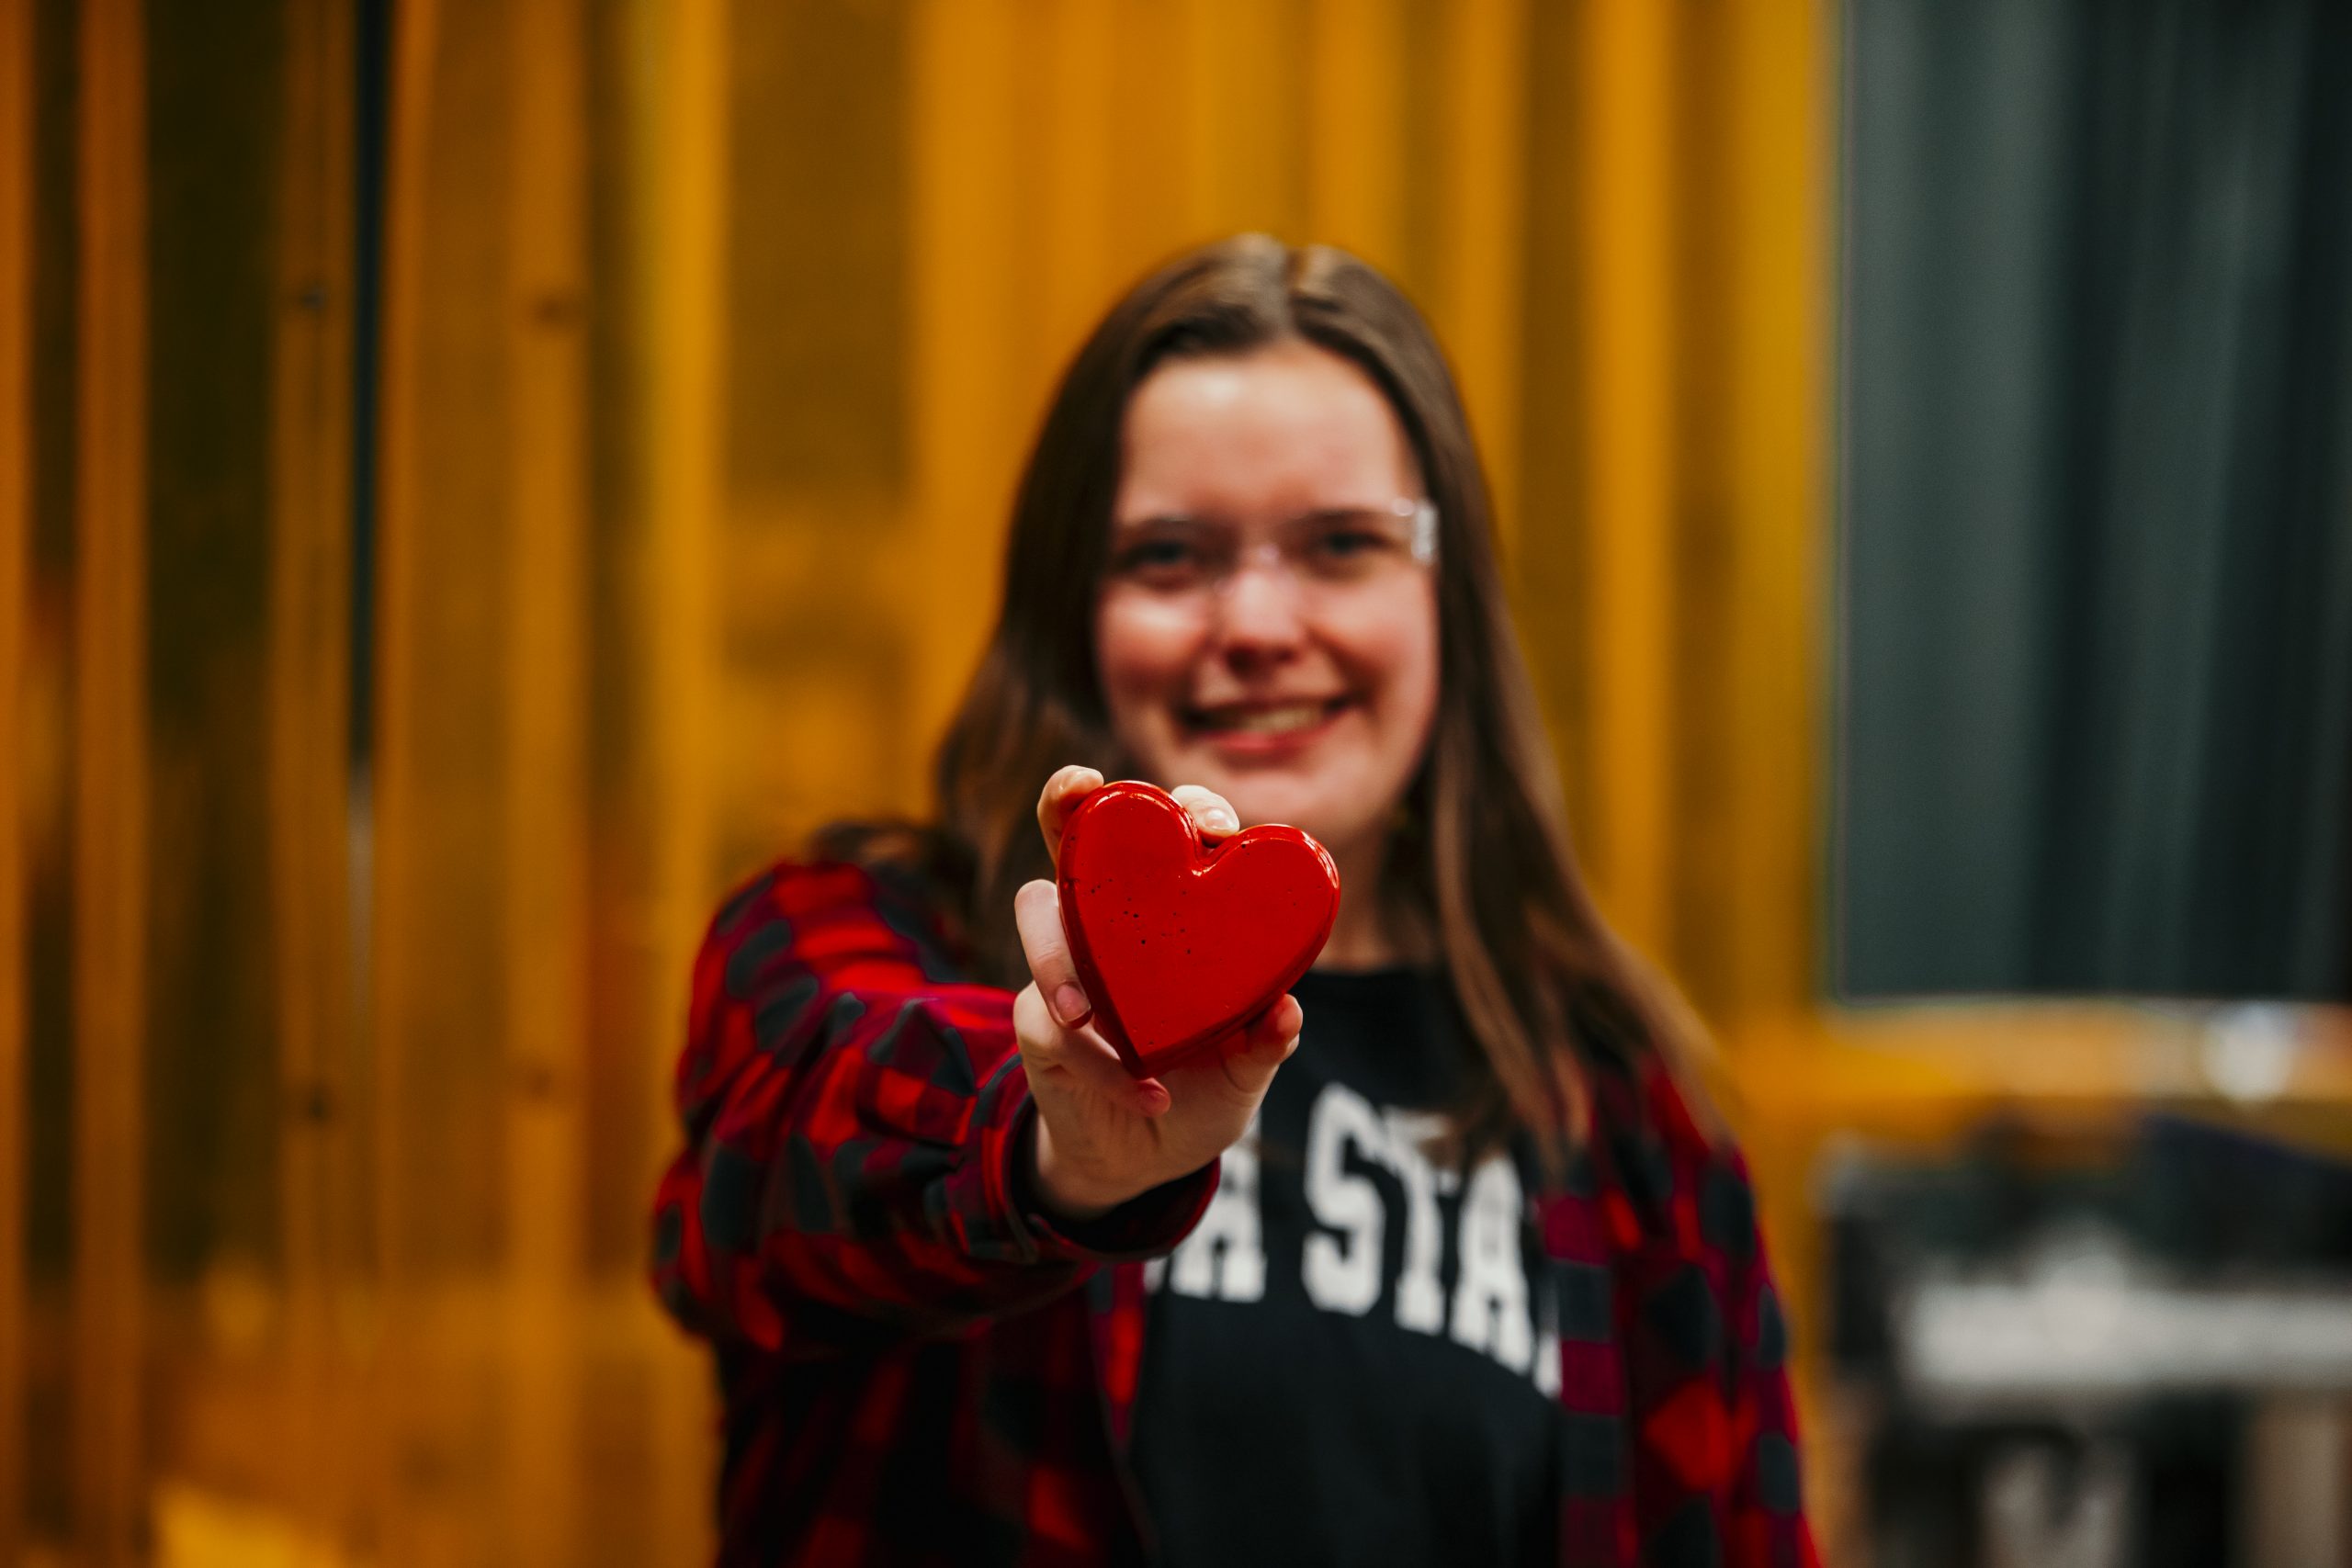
{"x": 1334, "y": 821}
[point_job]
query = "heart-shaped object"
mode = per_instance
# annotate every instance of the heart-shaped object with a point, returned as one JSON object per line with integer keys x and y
{"x": 1177, "y": 944}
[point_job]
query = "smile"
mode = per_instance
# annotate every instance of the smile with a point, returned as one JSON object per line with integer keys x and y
{"x": 1262, "y": 719}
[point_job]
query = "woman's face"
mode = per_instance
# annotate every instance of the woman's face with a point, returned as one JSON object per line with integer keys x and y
{"x": 1268, "y": 620}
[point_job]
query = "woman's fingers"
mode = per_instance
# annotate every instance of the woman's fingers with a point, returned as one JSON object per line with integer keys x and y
{"x": 1267, "y": 1042}
{"x": 1279, "y": 1024}
{"x": 1077, "y": 1058}
{"x": 1059, "y": 799}
{"x": 1037, "y": 914}
{"x": 1068, "y": 1046}
{"x": 1211, "y": 812}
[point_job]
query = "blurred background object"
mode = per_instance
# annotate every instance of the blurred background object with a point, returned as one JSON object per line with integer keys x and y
{"x": 2096, "y": 615}
{"x": 475, "y": 479}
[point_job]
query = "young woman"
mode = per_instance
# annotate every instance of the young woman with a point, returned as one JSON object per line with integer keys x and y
{"x": 1438, "y": 1265}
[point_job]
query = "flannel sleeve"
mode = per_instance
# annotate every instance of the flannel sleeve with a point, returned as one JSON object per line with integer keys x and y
{"x": 1717, "y": 1428}
{"x": 856, "y": 1121}
{"x": 1767, "y": 1526}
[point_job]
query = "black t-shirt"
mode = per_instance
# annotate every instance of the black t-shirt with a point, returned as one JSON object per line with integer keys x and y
{"x": 1351, "y": 1357}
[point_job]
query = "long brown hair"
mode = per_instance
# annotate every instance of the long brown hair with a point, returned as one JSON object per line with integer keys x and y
{"x": 1480, "y": 854}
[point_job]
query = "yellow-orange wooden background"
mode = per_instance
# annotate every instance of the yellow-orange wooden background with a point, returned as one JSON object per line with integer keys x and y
{"x": 711, "y": 336}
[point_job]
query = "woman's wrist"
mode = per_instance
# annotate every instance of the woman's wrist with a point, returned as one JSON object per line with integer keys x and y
{"x": 1066, "y": 1194}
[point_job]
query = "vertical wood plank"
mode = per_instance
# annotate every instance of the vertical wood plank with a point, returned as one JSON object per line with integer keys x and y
{"x": 16, "y": 547}
{"x": 683, "y": 175}
{"x": 1150, "y": 137}
{"x": 1355, "y": 128}
{"x": 1626, "y": 85}
{"x": 393, "y": 972}
{"x": 545, "y": 774}
{"x": 689, "y": 187}
{"x": 1482, "y": 248}
{"x": 110, "y": 782}
{"x": 1248, "y": 116}
{"x": 1704, "y": 282}
{"x": 1204, "y": 103}
{"x": 1084, "y": 158}
{"x": 309, "y": 773}
{"x": 1780, "y": 164}
{"x": 969, "y": 433}
{"x": 1780, "y": 128}
{"x": 1548, "y": 562}
{"x": 1242, "y": 163}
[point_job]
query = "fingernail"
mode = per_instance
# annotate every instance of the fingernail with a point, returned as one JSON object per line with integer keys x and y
{"x": 1070, "y": 1005}
{"x": 1222, "y": 821}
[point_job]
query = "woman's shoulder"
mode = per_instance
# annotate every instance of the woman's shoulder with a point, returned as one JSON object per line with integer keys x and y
{"x": 827, "y": 905}
{"x": 770, "y": 903}
{"x": 1680, "y": 1175}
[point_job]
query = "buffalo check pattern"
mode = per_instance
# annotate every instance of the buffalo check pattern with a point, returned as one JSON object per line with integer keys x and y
{"x": 918, "y": 1367}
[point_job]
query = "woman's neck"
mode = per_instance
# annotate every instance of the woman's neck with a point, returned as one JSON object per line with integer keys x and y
{"x": 1365, "y": 934}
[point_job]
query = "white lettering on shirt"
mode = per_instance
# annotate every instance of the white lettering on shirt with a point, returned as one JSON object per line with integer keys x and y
{"x": 1491, "y": 1289}
{"x": 1420, "y": 1299}
{"x": 1224, "y": 1257}
{"x": 1547, "y": 1346}
{"x": 1342, "y": 1273}
{"x": 1342, "y": 1266}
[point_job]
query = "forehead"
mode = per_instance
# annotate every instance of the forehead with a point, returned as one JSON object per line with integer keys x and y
{"x": 1287, "y": 427}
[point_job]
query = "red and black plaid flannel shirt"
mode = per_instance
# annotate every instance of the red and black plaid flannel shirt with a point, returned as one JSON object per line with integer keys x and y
{"x": 919, "y": 1367}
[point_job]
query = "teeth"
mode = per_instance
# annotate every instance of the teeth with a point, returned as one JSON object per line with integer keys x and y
{"x": 1269, "y": 721}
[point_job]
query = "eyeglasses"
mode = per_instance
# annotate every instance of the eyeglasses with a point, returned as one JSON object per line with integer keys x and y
{"x": 1187, "y": 558}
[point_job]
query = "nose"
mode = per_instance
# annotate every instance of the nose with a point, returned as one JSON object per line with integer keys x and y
{"x": 1262, "y": 617}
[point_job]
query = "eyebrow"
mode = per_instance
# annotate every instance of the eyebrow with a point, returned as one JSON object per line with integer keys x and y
{"x": 1336, "y": 511}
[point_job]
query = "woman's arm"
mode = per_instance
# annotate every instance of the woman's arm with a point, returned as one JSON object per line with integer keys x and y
{"x": 855, "y": 1128}
{"x": 1768, "y": 1521}
{"x": 1708, "y": 1348}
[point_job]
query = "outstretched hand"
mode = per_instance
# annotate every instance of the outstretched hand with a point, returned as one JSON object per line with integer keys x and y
{"x": 1103, "y": 1136}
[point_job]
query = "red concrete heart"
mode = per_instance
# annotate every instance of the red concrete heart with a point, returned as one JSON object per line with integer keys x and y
{"x": 1177, "y": 944}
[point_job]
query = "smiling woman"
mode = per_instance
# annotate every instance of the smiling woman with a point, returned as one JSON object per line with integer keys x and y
{"x": 1468, "y": 1279}
{"x": 1303, "y": 693}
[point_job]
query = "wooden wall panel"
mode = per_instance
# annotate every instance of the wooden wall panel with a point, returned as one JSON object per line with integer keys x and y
{"x": 109, "y": 862}
{"x": 16, "y": 551}
{"x": 967, "y": 346}
{"x": 323, "y": 1091}
{"x": 439, "y": 979}
{"x": 1628, "y": 169}
{"x": 676, "y": 174}
{"x": 544, "y": 872}
{"x": 1355, "y": 79}
{"x": 1482, "y": 217}
{"x": 1780, "y": 165}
